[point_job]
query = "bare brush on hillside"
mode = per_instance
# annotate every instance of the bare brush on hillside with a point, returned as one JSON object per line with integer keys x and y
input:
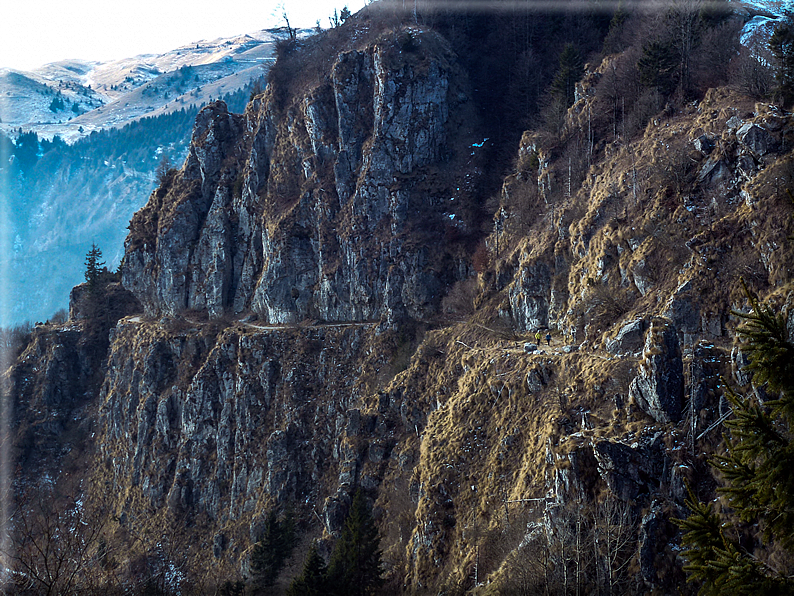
{"x": 459, "y": 302}
{"x": 55, "y": 544}
{"x": 574, "y": 547}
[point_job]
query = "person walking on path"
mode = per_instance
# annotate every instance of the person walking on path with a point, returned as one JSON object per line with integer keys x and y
{"x": 548, "y": 338}
{"x": 537, "y": 337}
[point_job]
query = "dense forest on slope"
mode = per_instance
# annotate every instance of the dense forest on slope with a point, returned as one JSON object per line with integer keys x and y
{"x": 449, "y": 309}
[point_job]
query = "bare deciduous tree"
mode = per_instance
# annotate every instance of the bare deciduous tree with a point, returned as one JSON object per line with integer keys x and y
{"x": 164, "y": 170}
{"x": 53, "y": 546}
{"x": 685, "y": 18}
{"x": 614, "y": 543}
{"x": 576, "y": 547}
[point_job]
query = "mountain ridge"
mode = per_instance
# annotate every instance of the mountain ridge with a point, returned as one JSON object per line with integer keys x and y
{"x": 147, "y": 81}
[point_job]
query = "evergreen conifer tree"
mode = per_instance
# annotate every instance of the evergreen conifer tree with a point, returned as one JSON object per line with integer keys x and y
{"x": 312, "y": 580}
{"x": 93, "y": 267}
{"x": 749, "y": 548}
{"x": 271, "y": 551}
{"x": 355, "y": 568}
{"x": 781, "y": 45}
{"x": 26, "y": 150}
{"x": 570, "y": 71}
{"x": 657, "y": 66}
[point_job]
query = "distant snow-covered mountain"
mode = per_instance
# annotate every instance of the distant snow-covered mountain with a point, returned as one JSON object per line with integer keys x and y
{"x": 72, "y": 98}
{"x": 774, "y": 6}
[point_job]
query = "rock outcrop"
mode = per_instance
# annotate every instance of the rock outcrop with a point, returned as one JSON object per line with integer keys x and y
{"x": 313, "y": 212}
{"x": 244, "y": 432}
{"x": 56, "y": 378}
{"x": 629, "y": 339}
{"x": 630, "y": 471}
{"x": 658, "y": 389}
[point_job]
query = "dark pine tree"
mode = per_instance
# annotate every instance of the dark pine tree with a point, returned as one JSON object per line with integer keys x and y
{"x": 26, "y": 150}
{"x": 570, "y": 72}
{"x": 355, "y": 568}
{"x": 782, "y": 46}
{"x": 748, "y": 548}
{"x": 658, "y": 66}
{"x": 271, "y": 551}
{"x": 57, "y": 103}
{"x": 314, "y": 577}
{"x": 94, "y": 266}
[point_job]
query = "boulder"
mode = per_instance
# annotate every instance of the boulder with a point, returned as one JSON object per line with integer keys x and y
{"x": 714, "y": 171}
{"x": 755, "y": 138}
{"x": 733, "y": 123}
{"x": 703, "y": 144}
{"x": 682, "y": 309}
{"x": 629, "y": 339}
{"x": 537, "y": 378}
{"x": 658, "y": 389}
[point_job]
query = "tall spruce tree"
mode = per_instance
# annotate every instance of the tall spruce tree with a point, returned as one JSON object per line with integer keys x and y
{"x": 355, "y": 568}
{"x": 570, "y": 72}
{"x": 658, "y": 66}
{"x": 748, "y": 548}
{"x": 272, "y": 551}
{"x": 313, "y": 579}
{"x": 94, "y": 265}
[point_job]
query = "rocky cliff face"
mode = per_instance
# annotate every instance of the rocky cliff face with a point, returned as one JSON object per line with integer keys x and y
{"x": 315, "y": 211}
{"x": 55, "y": 380}
{"x": 248, "y": 429}
{"x": 290, "y": 346}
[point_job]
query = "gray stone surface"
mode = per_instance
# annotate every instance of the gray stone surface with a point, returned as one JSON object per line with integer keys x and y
{"x": 658, "y": 388}
{"x": 755, "y": 138}
{"x": 703, "y": 144}
{"x": 733, "y": 122}
{"x": 529, "y": 297}
{"x": 649, "y": 544}
{"x": 683, "y": 310}
{"x": 714, "y": 171}
{"x": 629, "y": 339}
{"x": 629, "y": 470}
{"x": 304, "y": 215}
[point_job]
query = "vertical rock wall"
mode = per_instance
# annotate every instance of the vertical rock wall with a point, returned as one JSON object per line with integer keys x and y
{"x": 226, "y": 424}
{"x": 304, "y": 213}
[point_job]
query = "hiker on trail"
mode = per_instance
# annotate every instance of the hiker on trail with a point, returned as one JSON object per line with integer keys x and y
{"x": 537, "y": 337}
{"x": 548, "y": 338}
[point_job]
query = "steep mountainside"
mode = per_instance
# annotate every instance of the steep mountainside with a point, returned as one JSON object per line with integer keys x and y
{"x": 89, "y": 137}
{"x": 324, "y": 211}
{"x": 337, "y": 292}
